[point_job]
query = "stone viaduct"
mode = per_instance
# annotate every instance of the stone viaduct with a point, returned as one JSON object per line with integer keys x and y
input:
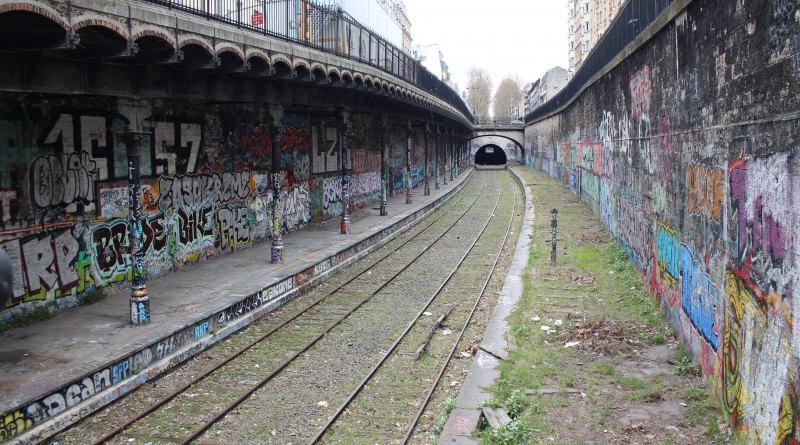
{"x": 218, "y": 101}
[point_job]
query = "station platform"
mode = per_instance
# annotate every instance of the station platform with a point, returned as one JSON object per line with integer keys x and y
{"x": 56, "y": 372}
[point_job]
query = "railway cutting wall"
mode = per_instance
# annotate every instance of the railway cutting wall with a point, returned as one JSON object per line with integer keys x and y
{"x": 689, "y": 151}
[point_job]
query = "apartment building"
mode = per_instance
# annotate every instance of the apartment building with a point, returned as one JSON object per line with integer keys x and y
{"x": 587, "y": 21}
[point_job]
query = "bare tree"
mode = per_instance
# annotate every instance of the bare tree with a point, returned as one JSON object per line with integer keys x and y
{"x": 507, "y": 99}
{"x": 479, "y": 92}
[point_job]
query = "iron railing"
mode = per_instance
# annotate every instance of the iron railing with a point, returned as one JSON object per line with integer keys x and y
{"x": 633, "y": 18}
{"x": 497, "y": 121}
{"x": 317, "y": 24}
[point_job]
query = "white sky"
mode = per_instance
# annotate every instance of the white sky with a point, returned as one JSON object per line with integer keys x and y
{"x": 522, "y": 37}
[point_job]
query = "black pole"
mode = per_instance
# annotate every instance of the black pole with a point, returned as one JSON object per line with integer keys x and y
{"x": 436, "y": 150}
{"x": 344, "y": 129}
{"x": 427, "y": 166}
{"x": 384, "y": 172}
{"x": 408, "y": 164}
{"x": 139, "y": 299}
{"x": 278, "y": 255}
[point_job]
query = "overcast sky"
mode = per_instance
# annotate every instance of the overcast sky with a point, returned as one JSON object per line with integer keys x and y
{"x": 523, "y": 37}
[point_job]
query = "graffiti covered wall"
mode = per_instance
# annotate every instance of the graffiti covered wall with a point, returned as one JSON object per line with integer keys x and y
{"x": 206, "y": 188}
{"x": 688, "y": 150}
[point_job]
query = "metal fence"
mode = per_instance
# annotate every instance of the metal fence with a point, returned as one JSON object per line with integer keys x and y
{"x": 633, "y": 18}
{"x": 497, "y": 121}
{"x": 318, "y": 24}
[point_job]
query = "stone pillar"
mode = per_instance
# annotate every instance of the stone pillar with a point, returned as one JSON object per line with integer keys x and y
{"x": 139, "y": 305}
{"x": 463, "y": 156}
{"x": 438, "y": 137}
{"x": 408, "y": 164}
{"x": 427, "y": 165}
{"x": 344, "y": 130}
{"x": 278, "y": 255}
{"x": 446, "y": 154}
{"x": 384, "y": 171}
{"x": 452, "y": 163}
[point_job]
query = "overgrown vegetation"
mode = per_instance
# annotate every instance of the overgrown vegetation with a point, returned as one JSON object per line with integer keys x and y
{"x": 38, "y": 315}
{"x": 92, "y": 296}
{"x": 598, "y": 319}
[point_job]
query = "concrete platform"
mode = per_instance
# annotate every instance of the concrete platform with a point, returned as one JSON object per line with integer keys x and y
{"x": 54, "y": 373}
{"x": 463, "y": 421}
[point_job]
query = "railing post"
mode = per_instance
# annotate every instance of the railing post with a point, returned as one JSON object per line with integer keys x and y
{"x": 553, "y": 226}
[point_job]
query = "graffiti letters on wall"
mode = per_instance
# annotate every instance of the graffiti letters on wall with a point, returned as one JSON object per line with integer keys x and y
{"x": 713, "y": 229}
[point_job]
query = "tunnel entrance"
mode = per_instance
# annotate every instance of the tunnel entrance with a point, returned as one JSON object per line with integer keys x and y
{"x": 490, "y": 155}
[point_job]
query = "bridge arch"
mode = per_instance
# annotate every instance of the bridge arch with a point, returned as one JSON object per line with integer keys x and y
{"x": 515, "y": 155}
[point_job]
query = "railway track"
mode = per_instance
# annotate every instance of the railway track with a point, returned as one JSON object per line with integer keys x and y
{"x": 388, "y": 403}
{"x": 284, "y": 372}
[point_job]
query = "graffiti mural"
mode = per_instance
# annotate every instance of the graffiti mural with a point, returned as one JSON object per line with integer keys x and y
{"x": 700, "y": 185}
{"x": 705, "y": 190}
{"x": 205, "y": 187}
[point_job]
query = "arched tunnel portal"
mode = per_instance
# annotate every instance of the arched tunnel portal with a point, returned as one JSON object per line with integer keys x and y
{"x": 490, "y": 154}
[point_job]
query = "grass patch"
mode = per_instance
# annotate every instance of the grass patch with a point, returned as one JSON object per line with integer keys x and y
{"x": 603, "y": 302}
{"x": 38, "y": 315}
{"x": 605, "y": 368}
{"x": 92, "y": 296}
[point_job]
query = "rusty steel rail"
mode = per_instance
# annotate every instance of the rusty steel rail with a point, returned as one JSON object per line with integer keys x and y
{"x": 308, "y": 346}
{"x": 155, "y": 406}
{"x": 332, "y": 419}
